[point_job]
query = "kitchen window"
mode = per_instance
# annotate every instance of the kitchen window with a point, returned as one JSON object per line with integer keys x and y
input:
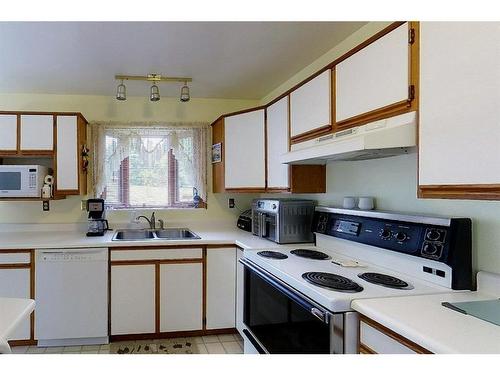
{"x": 150, "y": 165}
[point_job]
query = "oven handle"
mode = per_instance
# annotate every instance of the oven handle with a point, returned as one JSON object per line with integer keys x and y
{"x": 315, "y": 309}
{"x": 254, "y": 342}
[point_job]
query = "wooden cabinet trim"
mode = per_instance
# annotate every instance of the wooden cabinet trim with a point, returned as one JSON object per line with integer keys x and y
{"x": 364, "y": 349}
{"x": 311, "y": 134}
{"x": 391, "y": 110}
{"x": 31, "y": 267}
{"x": 165, "y": 335}
{"x": 393, "y": 335}
{"x": 154, "y": 261}
{"x": 466, "y": 191}
{"x": 156, "y": 247}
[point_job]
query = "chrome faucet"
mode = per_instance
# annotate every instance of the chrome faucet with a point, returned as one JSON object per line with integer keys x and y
{"x": 152, "y": 221}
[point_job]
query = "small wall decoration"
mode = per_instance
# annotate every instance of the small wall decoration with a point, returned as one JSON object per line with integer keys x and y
{"x": 217, "y": 153}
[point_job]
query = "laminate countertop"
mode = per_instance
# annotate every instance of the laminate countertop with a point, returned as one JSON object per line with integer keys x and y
{"x": 439, "y": 329}
{"x": 34, "y": 237}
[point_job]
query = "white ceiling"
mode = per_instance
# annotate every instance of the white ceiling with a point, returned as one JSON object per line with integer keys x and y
{"x": 225, "y": 59}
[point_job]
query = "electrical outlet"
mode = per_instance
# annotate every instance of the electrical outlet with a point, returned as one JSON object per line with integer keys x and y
{"x": 83, "y": 205}
{"x": 230, "y": 202}
{"x": 45, "y": 205}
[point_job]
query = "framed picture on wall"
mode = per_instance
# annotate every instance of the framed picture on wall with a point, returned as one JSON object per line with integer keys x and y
{"x": 217, "y": 153}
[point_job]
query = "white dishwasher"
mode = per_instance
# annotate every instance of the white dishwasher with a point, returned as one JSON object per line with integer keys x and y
{"x": 71, "y": 293}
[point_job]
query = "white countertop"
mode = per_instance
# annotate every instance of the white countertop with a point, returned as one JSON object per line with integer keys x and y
{"x": 213, "y": 234}
{"x": 424, "y": 321}
{"x": 12, "y": 312}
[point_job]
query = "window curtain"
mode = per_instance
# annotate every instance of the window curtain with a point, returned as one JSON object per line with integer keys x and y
{"x": 188, "y": 141}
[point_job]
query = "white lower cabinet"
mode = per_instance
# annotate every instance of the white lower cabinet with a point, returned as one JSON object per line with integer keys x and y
{"x": 376, "y": 339}
{"x": 15, "y": 283}
{"x": 181, "y": 297}
{"x": 221, "y": 288}
{"x": 240, "y": 273}
{"x": 132, "y": 299}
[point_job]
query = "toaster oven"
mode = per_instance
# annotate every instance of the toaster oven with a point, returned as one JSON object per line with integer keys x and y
{"x": 283, "y": 220}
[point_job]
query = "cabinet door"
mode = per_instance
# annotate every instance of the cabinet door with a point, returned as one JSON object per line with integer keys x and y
{"x": 8, "y": 133}
{"x": 310, "y": 105}
{"x": 181, "y": 297}
{"x": 67, "y": 153}
{"x": 15, "y": 283}
{"x": 132, "y": 299}
{"x": 459, "y": 127}
{"x": 374, "y": 77}
{"x": 277, "y": 144}
{"x": 37, "y": 132}
{"x": 244, "y": 150}
{"x": 221, "y": 288}
{"x": 239, "y": 292}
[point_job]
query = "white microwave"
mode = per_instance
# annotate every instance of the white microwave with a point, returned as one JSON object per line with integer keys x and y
{"x": 22, "y": 180}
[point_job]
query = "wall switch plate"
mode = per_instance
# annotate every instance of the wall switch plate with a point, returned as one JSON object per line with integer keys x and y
{"x": 83, "y": 205}
{"x": 230, "y": 202}
{"x": 45, "y": 205}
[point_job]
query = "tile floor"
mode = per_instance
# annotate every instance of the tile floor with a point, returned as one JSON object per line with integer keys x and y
{"x": 213, "y": 344}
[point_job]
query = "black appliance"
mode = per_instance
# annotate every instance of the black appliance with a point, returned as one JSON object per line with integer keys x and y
{"x": 245, "y": 221}
{"x": 97, "y": 224}
{"x": 291, "y": 323}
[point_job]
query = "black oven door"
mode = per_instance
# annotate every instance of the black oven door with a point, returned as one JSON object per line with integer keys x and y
{"x": 281, "y": 320}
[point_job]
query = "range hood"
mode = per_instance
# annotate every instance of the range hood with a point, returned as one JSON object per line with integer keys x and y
{"x": 384, "y": 138}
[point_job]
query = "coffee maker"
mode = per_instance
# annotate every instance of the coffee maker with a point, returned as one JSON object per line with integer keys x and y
{"x": 98, "y": 225}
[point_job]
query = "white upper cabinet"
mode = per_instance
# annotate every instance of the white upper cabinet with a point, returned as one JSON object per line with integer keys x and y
{"x": 67, "y": 153}
{"x": 8, "y": 132}
{"x": 459, "y": 140}
{"x": 221, "y": 288}
{"x": 37, "y": 132}
{"x": 244, "y": 155}
{"x": 181, "y": 296}
{"x": 277, "y": 144}
{"x": 374, "y": 77}
{"x": 310, "y": 105}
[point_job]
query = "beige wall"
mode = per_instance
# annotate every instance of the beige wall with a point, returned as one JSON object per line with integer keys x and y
{"x": 106, "y": 108}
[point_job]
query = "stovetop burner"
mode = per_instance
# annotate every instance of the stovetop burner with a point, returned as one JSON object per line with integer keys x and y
{"x": 332, "y": 281}
{"x": 311, "y": 254}
{"x": 272, "y": 254}
{"x": 384, "y": 280}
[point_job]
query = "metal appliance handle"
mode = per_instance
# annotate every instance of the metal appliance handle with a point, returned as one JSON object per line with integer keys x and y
{"x": 309, "y": 305}
{"x": 263, "y": 225}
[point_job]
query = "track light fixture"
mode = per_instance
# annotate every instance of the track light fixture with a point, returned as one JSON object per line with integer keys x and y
{"x": 154, "y": 94}
{"x": 121, "y": 92}
{"x": 185, "y": 93}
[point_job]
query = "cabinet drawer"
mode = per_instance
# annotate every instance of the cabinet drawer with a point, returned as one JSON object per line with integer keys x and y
{"x": 14, "y": 258}
{"x": 175, "y": 253}
{"x": 374, "y": 338}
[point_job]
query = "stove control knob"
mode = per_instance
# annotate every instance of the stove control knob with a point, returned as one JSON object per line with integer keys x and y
{"x": 401, "y": 236}
{"x": 429, "y": 248}
{"x": 432, "y": 249}
{"x": 433, "y": 235}
{"x": 385, "y": 234}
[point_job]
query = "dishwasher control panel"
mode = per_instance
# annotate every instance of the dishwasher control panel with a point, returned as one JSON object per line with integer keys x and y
{"x": 73, "y": 255}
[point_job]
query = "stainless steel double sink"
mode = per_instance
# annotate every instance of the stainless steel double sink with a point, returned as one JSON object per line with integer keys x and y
{"x": 168, "y": 234}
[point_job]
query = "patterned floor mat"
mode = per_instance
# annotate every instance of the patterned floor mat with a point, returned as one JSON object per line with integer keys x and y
{"x": 163, "y": 347}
